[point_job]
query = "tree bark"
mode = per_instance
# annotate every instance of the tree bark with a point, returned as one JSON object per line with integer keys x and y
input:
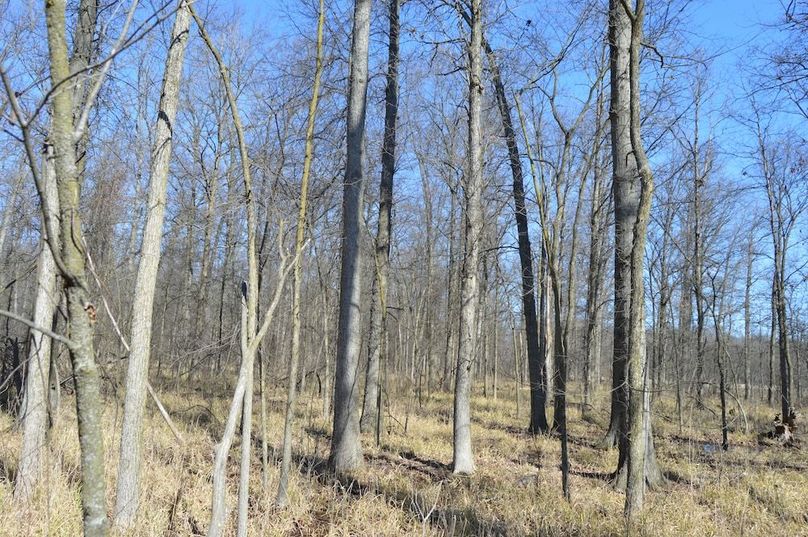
{"x": 35, "y": 408}
{"x": 538, "y": 395}
{"x": 46, "y": 301}
{"x": 81, "y": 311}
{"x": 626, "y": 199}
{"x": 747, "y": 318}
{"x": 297, "y": 276}
{"x": 637, "y": 439}
{"x": 698, "y": 258}
{"x": 594, "y": 291}
{"x": 462, "y": 458}
{"x": 128, "y": 486}
{"x": 346, "y": 448}
{"x": 378, "y": 309}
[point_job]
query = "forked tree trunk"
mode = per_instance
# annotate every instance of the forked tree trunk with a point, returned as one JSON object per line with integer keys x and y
{"x": 128, "y": 496}
{"x": 250, "y": 337}
{"x": 81, "y": 311}
{"x": 35, "y": 420}
{"x": 637, "y": 440}
{"x": 462, "y": 458}
{"x": 346, "y": 448}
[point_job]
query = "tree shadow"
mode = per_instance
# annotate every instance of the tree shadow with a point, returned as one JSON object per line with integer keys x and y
{"x": 607, "y": 477}
{"x": 448, "y": 520}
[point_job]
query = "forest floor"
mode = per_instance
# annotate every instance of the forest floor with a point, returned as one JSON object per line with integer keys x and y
{"x": 406, "y": 487}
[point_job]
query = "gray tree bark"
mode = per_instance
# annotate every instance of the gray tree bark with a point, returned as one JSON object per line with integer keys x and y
{"x": 346, "y": 448}
{"x": 462, "y": 459}
{"x": 128, "y": 487}
{"x": 636, "y": 439}
{"x": 594, "y": 291}
{"x": 378, "y": 313}
{"x": 46, "y": 301}
{"x": 747, "y": 317}
{"x": 35, "y": 408}
{"x": 626, "y": 198}
{"x": 81, "y": 311}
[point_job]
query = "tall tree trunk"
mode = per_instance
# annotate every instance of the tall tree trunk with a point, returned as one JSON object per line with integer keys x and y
{"x": 250, "y": 337}
{"x": 346, "y": 448}
{"x": 772, "y": 331}
{"x": 297, "y": 277}
{"x": 717, "y": 315}
{"x": 35, "y": 414}
{"x": 538, "y": 395}
{"x": 81, "y": 311}
{"x": 636, "y": 439}
{"x": 35, "y": 409}
{"x": 626, "y": 194}
{"x": 451, "y": 290}
{"x": 698, "y": 259}
{"x": 128, "y": 496}
{"x": 783, "y": 346}
{"x": 747, "y": 318}
{"x": 378, "y": 308}
{"x": 594, "y": 291}
{"x": 462, "y": 459}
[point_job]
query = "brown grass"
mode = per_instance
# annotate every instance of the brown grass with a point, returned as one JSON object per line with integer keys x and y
{"x": 406, "y": 488}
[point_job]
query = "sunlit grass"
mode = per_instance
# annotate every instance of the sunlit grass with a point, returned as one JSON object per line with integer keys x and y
{"x": 406, "y": 486}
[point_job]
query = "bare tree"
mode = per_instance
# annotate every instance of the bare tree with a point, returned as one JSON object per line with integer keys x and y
{"x": 784, "y": 176}
{"x": 35, "y": 411}
{"x": 297, "y": 276}
{"x": 251, "y": 336}
{"x": 127, "y": 500}
{"x": 462, "y": 458}
{"x": 346, "y": 448}
{"x": 377, "y": 336}
{"x": 626, "y": 35}
{"x": 538, "y": 373}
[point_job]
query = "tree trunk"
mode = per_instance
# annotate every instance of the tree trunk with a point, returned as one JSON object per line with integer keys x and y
{"x": 772, "y": 330}
{"x": 346, "y": 449}
{"x": 698, "y": 262}
{"x": 128, "y": 487}
{"x": 538, "y": 395}
{"x": 297, "y": 278}
{"x": 35, "y": 408}
{"x": 462, "y": 459}
{"x": 46, "y": 301}
{"x": 378, "y": 308}
{"x": 81, "y": 312}
{"x": 636, "y": 439}
{"x": 626, "y": 199}
{"x": 747, "y": 319}
{"x": 594, "y": 309}
{"x": 451, "y": 290}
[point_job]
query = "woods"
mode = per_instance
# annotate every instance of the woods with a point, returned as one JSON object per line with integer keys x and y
{"x": 573, "y": 303}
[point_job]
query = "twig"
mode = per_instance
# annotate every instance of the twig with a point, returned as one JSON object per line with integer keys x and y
{"x": 116, "y": 327}
{"x": 51, "y": 334}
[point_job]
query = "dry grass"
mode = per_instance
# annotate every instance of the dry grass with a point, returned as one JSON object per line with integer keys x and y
{"x": 406, "y": 488}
